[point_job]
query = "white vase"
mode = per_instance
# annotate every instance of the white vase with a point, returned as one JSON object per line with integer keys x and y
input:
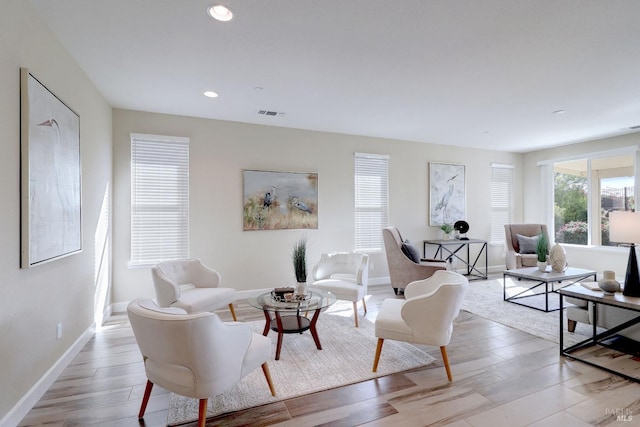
{"x": 542, "y": 266}
{"x": 301, "y": 288}
{"x": 608, "y": 283}
{"x": 558, "y": 258}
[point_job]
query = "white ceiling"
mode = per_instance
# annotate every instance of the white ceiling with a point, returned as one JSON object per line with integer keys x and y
{"x": 474, "y": 73}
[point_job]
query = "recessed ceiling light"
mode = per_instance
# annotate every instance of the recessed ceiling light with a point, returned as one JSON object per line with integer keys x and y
{"x": 559, "y": 112}
{"x": 220, "y": 12}
{"x": 211, "y": 94}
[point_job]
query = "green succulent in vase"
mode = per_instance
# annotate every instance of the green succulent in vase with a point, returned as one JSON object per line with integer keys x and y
{"x": 446, "y": 228}
{"x": 542, "y": 247}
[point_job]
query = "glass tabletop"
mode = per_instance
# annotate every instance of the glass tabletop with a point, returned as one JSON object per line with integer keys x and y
{"x": 314, "y": 300}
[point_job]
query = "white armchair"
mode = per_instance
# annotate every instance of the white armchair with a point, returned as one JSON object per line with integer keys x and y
{"x": 195, "y": 355}
{"x": 189, "y": 285}
{"x": 344, "y": 274}
{"x": 426, "y": 314}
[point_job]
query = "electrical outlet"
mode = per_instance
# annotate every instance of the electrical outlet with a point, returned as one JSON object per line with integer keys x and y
{"x": 59, "y": 331}
{"x": 371, "y": 266}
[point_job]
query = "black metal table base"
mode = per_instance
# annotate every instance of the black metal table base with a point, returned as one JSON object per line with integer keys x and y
{"x": 443, "y": 252}
{"x": 514, "y": 298}
{"x": 597, "y": 339}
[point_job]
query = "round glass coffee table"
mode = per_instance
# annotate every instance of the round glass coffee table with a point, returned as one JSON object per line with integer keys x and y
{"x": 290, "y": 316}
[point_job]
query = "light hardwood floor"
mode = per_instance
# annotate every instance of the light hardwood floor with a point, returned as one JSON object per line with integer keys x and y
{"x": 502, "y": 377}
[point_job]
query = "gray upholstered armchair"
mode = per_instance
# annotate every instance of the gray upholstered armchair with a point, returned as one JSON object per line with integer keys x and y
{"x": 402, "y": 269}
{"x": 517, "y": 255}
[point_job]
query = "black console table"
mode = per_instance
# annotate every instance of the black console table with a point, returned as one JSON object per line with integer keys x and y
{"x": 450, "y": 249}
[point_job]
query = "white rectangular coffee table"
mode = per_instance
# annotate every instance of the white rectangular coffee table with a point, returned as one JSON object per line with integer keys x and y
{"x": 531, "y": 279}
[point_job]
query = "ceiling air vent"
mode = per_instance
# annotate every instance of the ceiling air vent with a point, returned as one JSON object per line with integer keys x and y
{"x": 270, "y": 113}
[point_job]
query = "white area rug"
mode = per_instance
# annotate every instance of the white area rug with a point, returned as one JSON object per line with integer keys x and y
{"x": 485, "y": 298}
{"x": 346, "y": 358}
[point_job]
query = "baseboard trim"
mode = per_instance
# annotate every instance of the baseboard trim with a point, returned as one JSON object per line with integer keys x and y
{"x": 119, "y": 307}
{"x": 27, "y": 402}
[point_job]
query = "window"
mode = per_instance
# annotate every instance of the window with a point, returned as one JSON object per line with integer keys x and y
{"x": 159, "y": 198}
{"x": 371, "y": 200}
{"x": 586, "y": 190}
{"x": 501, "y": 195}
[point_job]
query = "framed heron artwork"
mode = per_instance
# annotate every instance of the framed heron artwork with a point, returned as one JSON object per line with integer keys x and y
{"x": 280, "y": 200}
{"x": 447, "y": 198}
{"x": 50, "y": 183}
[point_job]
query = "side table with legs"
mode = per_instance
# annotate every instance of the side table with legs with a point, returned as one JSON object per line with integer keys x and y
{"x": 290, "y": 317}
{"x": 459, "y": 250}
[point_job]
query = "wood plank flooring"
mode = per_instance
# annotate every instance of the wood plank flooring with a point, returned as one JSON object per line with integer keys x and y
{"x": 502, "y": 377}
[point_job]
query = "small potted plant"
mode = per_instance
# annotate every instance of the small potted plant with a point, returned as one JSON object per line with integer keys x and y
{"x": 542, "y": 251}
{"x": 446, "y": 231}
{"x": 299, "y": 258}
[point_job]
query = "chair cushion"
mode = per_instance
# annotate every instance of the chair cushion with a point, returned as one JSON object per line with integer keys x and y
{"x": 389, "y": 323}
{"x": 528, "y": 260}
{"x": 343, "y": 289}
{"x": 578, "y": 302}
{"x": 151, "y": 305}
{"x": 410, "y": 251}
{"x": 578, "y": 314}
{"x": 205, "y": 299}
{"x": 527, "y": 244}
{"x": 186, "y": 286}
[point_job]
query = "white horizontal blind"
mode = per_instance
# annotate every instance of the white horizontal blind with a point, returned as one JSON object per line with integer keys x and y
{"x": 501, "y": 196}
{"x": 371, "y": 200}
{"x": 159, "y": 198}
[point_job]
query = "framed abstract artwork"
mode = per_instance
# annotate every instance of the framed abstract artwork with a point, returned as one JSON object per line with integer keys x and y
{"x": 51, "y": 225}
{"x": 447, "y": 198}
{"x": 280, "y": 200}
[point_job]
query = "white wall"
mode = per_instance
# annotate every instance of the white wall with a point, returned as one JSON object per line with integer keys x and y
{"x": 34, "y": 301}
{"x": 595, "y": 258}
{"x": 260, "y": 259}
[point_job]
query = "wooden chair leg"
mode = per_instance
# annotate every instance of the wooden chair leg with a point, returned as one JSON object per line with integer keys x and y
{"x": 267, "y": 375}
{"x": 378, "y": 351}
{"x": 145, "y": 399}
{"x": 571, "y": 325}
{"x": 445, "y": 359}
{"x": 364, "y": 305}
{"x": 355, "y": 312}
{"x": 202, "y": 412}
{"x": 233, "y": 312}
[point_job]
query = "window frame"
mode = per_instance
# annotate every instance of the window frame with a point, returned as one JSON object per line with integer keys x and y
{"x": 547, "y": 169}
{"x": 159, "y": 186}
{"x": 497, "y": 227}
{"x": 368, "y": 234}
